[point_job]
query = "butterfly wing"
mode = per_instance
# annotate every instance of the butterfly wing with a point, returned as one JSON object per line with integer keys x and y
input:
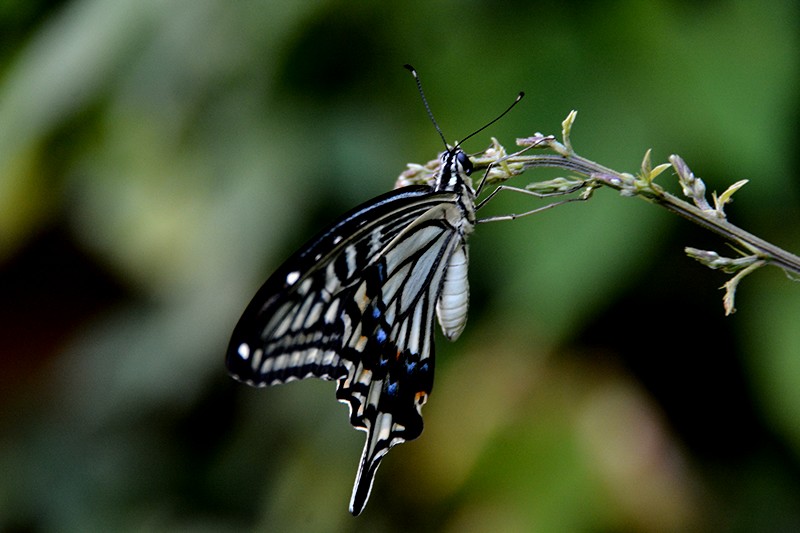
{"x": 390, "y": 354}
{"x": 356, "y": 305}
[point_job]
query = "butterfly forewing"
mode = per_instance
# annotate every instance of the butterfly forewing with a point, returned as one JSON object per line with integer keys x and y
{"x": 294, "y": 325}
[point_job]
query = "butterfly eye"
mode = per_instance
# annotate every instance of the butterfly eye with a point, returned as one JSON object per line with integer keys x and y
{"x": 464, "y": 163}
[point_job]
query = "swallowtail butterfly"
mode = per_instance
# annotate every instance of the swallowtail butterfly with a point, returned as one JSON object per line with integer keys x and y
{"x": 356, "y": 304}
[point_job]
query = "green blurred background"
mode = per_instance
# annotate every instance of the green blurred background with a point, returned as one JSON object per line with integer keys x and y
{"x": 159, "y": 159}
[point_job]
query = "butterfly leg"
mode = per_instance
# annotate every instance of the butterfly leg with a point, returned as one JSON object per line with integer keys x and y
{"x": 514, "y": 216}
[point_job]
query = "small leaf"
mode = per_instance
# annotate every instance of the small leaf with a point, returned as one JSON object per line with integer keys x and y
{"x": 566, "y": 129}
{"x": 647, "y": 166}
{"x": 648, "y": 173}
{"x": 658, "y": 170}
{"x": 725, "y": 198}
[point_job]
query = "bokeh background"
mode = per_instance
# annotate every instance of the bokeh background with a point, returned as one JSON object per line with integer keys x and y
{"x": 159, "y": 159}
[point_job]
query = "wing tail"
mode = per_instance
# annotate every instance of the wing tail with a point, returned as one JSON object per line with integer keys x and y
{"x": 379, "y": 441}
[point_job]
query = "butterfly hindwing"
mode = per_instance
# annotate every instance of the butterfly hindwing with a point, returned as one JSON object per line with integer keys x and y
{"x": 389, "y": 356}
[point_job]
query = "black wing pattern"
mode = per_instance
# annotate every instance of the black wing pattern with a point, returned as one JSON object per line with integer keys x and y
{"x": 356, "y": 304}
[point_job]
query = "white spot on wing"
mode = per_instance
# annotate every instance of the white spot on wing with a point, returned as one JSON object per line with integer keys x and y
{"x": 283, "y": 327}
{"x": 328, "y": 358}
{"x": 313, "y": 315}
{"x": 312, "y": 357}
{"x": 375, "y": 243}
{"x": 280, "y": 362}
{"x": 384, "y": 429}
{"x": 350, "y": 257}
{"x": 300, "y": 314}
{"x": 374, "y": 394}
{"x": 296, "y": 359}
{"x": 244, "y": 351}
{"x": 256, "y": 358}
{"x": 332, "y": 312}
{"x": 292, "y": 277}
{"x": 303, "y": 288}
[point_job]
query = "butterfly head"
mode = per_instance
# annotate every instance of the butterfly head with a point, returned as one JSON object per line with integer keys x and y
{"x": 455, "y": 170}
{"x": 456, "y": 166}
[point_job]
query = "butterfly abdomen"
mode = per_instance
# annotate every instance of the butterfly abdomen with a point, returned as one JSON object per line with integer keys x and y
{"x": 451, "y": 307}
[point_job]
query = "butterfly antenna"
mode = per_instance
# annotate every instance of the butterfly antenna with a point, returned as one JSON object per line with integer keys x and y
{"x": 501, "y": 115}
{"x": 427, "y": 107}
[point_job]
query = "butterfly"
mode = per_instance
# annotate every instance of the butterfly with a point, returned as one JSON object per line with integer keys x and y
{"x": 356, "y": 305}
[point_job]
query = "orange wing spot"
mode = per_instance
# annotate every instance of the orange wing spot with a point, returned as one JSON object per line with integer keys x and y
{"x": 364, "y": 302}
{"x": 362, "y": 299}
{"x": 397, "y": 357}
{"x": 361, "y": 344}
{"x": 421, "y": 397}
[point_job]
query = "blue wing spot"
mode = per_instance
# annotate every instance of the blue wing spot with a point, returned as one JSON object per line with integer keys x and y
{"x": 381, "y": 267}
{"x": 380, "y": 335}
{"x": 391, "y": 389}
{"x": 410, "y": 366}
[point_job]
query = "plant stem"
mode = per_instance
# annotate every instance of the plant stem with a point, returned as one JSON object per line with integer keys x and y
{"x": 500, "y": 166}
{"x": 630, "y": 186}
